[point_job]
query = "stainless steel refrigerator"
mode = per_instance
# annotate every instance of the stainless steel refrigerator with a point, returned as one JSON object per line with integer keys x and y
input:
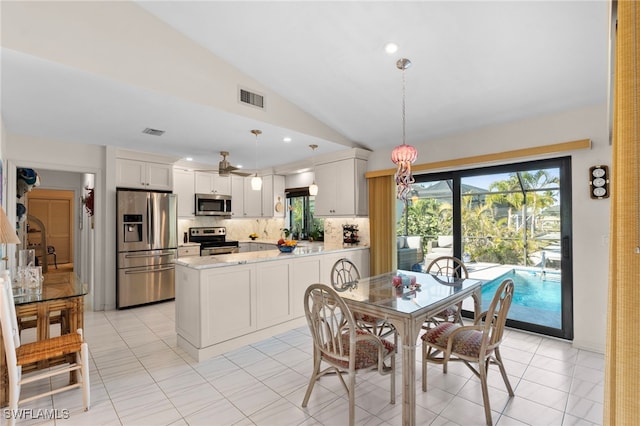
{"x": 147, "y": 244}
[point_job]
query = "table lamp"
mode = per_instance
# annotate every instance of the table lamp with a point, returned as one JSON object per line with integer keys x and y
{"x": 7, "y": 235}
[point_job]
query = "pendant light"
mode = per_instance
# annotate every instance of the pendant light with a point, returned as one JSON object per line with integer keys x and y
{"x": 313, "y": 188}
{"x": 256, "y": 181}
{"x": 403, "y": 155}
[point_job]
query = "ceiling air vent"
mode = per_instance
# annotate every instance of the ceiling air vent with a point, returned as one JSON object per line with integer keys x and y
{"x": 251, "y": 98}
{"x": 153, "y": 132}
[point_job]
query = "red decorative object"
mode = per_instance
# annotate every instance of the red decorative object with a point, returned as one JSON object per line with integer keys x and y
{"x": 403, "y": 156}
{"x": 88, "y": 201}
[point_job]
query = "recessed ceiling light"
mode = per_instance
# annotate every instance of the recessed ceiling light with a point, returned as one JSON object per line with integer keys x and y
{"x": 391, "y": 48}
{"x": 189, "y": 158}
{"x": 287, "y": 139}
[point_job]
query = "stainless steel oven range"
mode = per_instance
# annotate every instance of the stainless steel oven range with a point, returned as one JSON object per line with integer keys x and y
{"x": 212, "y": 240}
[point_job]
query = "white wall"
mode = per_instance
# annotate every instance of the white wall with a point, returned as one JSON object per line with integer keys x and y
{"x": 590, "y": 217}
{"x": 53, "y": 156}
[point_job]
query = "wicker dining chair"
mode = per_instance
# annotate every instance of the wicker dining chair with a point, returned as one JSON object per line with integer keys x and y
{"x": 344, "y": 276}
{"x": 448, "y": 266}
{"x": 18, "y": 355}
{"x": 342, "y": 345}
{"x": 472, "y": 344}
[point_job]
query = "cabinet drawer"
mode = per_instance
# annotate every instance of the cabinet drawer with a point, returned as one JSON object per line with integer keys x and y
{"x": 188, "y": 251}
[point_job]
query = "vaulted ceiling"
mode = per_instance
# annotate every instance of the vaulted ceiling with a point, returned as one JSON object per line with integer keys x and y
{"x": 101, "y": 72}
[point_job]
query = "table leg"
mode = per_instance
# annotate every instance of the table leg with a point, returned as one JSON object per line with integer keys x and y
{"x": 408, "y": 331}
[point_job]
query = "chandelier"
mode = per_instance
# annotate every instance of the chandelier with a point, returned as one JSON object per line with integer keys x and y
{"x": 403, "y": 155}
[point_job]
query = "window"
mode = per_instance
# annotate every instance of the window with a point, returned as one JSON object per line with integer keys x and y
{"x": 300, "y": 220}
{"x": 514, "y": 217}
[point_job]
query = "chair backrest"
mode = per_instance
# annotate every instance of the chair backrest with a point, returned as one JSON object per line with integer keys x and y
{"x": 9, "y": 323}
{"x": 344, "y": 275}
{"x": 449, "y": 266}
{"x": 496, "y": 315}
{"x": 329, "y": 319}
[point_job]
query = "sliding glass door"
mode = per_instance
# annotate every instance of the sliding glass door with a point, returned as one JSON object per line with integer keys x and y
{"x": 508, "y": 221}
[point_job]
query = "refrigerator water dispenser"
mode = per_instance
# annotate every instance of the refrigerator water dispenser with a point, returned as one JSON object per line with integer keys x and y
{"x": 132, "y": 228}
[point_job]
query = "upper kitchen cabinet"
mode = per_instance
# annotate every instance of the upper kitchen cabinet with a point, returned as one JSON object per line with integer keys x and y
{"x": 212, "y": 183}
{"x": 247, "y": 203}
{"x": 184, "y": 187}
{"x": 237, "y": 197}
{"x": 252, "y": 200}
{"x": 342, "y": 188}
{"x": 143, "y": 175}
{"x": 273, "y": 196}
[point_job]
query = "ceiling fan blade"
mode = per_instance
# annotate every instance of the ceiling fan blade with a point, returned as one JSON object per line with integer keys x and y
{"x": 238, "y": 173}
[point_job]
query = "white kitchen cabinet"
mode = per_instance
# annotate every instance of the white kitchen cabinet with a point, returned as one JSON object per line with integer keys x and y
{"x": 228, "y": 299}
{"x": 222, "y": 308}
{"x": 272, "y": 194}
{"x": 306, "y": 271}
{"x": 275, "y": 304}
{"x": 252, "y": 200}
{"x": 187, "y": 251}
{"x": 247, "y": 246}
{"x": 237, "y": 197}
{"x": 183, "y": 187}
{"x": 341, "y": 188}
{"x": 247, "y": 203}
{"x": 212, "y": 183}
{"x": 143, "y": 175}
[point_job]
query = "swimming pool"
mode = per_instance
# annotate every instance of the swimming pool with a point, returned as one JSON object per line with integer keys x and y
{"x": 536, "y": 297}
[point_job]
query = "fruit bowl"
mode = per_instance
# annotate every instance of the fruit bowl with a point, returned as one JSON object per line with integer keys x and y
{"x": 286, "y": 248}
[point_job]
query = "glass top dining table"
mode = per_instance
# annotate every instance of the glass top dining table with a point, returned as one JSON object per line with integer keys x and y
{"x": 407, "y": 308}
{"x": 63, "y": 285}
{"x": 62, "y": 293}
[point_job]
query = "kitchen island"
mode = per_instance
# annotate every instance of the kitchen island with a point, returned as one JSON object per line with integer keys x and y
{"x": 227, "y": 301}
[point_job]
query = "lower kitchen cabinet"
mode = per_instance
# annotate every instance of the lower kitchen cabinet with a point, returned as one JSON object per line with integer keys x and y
{"x": 274, "y": 301}
{"x": 305, "y": 272}
{"x": 222, "y": 308}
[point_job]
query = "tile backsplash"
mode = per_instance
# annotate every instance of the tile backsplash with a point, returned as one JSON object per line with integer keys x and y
{"x": 271, "y": 229}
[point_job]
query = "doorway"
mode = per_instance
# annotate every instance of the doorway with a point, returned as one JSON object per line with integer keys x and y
{"x": 509, "y": 221}
{"x": 52, "y": 210}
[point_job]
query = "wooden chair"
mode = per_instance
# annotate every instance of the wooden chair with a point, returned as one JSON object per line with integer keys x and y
{"x": 340, "y": 343}
{"x": 18, "y": 355}
{"x": 449, "y": 266}
{"x": 478, "y": 343}
{"x": 345, "y": 276}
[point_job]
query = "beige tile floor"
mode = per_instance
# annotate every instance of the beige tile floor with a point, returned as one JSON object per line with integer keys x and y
{"x": 140, "y": 377}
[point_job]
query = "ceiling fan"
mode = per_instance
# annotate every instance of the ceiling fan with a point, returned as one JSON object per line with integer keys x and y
{"x": 225, "y": 167}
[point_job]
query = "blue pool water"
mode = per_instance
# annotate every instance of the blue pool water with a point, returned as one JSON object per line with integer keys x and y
{"x": 536, "y": 297}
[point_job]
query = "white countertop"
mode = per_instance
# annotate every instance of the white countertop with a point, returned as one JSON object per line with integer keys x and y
{"x": 188, "y": 244}
{"x": 304, "y": 249}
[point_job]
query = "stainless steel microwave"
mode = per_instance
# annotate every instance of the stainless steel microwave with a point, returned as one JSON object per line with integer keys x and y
{"x": 213, "y": 205}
